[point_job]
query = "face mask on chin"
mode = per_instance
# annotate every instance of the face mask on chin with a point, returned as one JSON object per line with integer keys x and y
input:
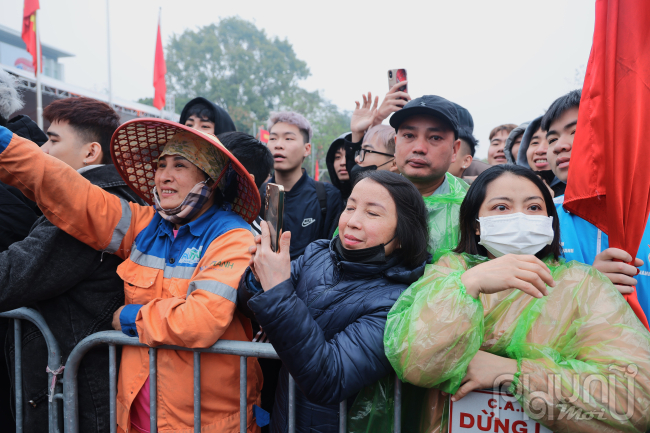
{"x": 516, "y": 233}
{"x": 357, "y": 170}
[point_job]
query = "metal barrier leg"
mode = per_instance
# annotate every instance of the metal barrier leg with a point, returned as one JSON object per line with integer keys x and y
{"x": 398, "y": 405}
{"x": 112, "y": 377}
{"x": 153, "y": 418}
{"x": 343, "y": 416}
{"x": 18, "y": 374}
{"x": 197, "y": 392}
{"x": 243, "y": 393}
{"x": 292, "y": 405}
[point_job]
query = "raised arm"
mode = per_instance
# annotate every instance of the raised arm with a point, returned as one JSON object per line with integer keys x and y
{"x": 85, "y": 211}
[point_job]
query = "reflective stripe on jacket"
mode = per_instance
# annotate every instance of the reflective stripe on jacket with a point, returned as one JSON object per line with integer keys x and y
{"x": 187, "y": 286}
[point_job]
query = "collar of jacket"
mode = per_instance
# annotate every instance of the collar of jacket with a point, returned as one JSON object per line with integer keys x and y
{"x": 196, "y": 227}
{"x": 393, "y": 269}
{"x": 297, "y": 186}
{"x": 105, "y": 176}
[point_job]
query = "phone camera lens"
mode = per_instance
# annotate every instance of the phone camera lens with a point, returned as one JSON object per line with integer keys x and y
{"x": 390, "y": 74}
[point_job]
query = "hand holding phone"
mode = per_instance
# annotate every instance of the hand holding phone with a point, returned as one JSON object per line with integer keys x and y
{"x": 274, "y": 212}
{"x": 397, "y": 96}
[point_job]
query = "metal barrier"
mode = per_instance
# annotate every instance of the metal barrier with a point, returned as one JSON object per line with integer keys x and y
{"x": 53, "y": 365}
{"x": 243, "y": 349}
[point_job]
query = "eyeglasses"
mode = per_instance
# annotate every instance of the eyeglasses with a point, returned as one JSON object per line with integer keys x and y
{"x": 361, "y": 154}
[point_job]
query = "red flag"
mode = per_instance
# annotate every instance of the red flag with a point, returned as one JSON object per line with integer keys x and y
{"x": 316, "y": 172}
{"x": 609, "y": 180}
{"x": 159, "y": 71}
{"x": 264, "y": 136}
{"x": 29, "y": 31}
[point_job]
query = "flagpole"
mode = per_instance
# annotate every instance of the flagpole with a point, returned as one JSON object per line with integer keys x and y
{"x": 162, "y": 116}
{"x": 108, "y": 43}
{"x": 39, "y": 93}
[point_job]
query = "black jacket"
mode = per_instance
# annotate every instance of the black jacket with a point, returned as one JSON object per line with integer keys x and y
{"x": 327, "y": 325}
{"x": 17, "y": 212}
{"x": 222, "y": 121}
{"x": 350, "y": 149}
{"x": 303, "y": 216}
{"x": 76, "y": 289}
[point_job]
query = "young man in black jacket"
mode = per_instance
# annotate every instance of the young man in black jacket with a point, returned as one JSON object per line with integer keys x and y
{"x": 311, "y": 209}
{"x": 74, "y": 287}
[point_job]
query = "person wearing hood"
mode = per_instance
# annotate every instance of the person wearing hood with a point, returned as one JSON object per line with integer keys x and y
{"x": 325, "y": 312}
{"x": 206, "y": 116}
{"x": 465, "y": 166}
{"x": 533, "y": 154}
{"x": 513, "y": 142}
{"x": 337, "y": 163}
{"x": 75, "y": 289}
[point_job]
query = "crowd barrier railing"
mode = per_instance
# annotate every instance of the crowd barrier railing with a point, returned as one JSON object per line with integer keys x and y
{"x": 54, "y": 366}
{"x": 243, "y": 349}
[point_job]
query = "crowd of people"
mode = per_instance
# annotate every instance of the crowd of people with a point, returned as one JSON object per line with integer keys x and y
{"x": 417, "y": 260}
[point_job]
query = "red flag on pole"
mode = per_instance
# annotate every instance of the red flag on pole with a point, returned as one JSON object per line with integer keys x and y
{"x": 29, "y": 31}
{"x": 316, "y": 175}
{"x": 159, "y": 71}
{"x": 264, "y": 136}
{"x": 609, "y": 180}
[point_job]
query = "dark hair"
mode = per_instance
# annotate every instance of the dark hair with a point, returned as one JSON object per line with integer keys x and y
{"x": 252, "y": 153}
{"x": 508, "y": 127}
{"x": 476, "y": 196}
{"x": 559, "y": 106}
{"x": 466, "y": 136}
{"x": 93, "y": 120}
{"x": 201, "y": 111}
{"x": 412, "y": 231}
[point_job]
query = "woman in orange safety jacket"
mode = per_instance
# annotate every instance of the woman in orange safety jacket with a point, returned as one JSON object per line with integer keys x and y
{"x": 183, "y": 258}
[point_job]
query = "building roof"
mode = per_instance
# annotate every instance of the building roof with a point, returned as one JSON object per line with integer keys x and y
{"x": 13, "y": 37}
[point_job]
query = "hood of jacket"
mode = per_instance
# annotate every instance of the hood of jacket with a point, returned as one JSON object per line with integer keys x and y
{"x": 343, "y": 141}
{"x": 222, "y": 120}
{"x": 522, "y": 159}
{"x": 510, "y": 141}
{"x": 25, "y": 127}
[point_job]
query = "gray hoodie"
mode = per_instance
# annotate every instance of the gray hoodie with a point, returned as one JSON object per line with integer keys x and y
{"x": 510, "y": 142}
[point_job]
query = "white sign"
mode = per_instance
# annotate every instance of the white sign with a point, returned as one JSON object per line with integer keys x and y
{"x": 490, "y": 411}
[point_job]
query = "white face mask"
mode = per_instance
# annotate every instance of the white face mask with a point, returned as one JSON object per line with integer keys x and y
{"x": 515, "y": 233}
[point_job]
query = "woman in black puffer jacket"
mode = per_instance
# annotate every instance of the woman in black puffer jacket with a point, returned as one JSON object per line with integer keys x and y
{"x": 325, "y": 312}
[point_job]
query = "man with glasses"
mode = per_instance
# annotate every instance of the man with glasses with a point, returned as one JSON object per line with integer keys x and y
{"x": 377, "y": 151}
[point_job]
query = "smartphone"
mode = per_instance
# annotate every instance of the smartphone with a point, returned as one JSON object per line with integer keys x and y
{"x": 274, "y": 212}
{"x": 397, "y": 76}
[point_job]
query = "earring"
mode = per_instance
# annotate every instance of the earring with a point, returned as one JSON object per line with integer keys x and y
{"x": 85, "y": 162}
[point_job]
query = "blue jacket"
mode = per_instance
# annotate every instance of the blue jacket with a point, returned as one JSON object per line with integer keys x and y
{"x": 582, "y": 241}
{"x": 303, "y": 216}
{"x": 327, "y": 325}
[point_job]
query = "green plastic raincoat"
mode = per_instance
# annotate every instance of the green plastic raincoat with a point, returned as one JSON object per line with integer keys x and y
{"x": 583, "y": 336}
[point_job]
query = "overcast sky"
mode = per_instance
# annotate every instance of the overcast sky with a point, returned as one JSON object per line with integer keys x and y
{"x": 505, "y": 61}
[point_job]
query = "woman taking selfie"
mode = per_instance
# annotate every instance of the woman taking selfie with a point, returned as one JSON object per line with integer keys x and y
{"x": 504, "y": 309}
{"x": 183, "y": 258}
{"x": 325, "y": 312}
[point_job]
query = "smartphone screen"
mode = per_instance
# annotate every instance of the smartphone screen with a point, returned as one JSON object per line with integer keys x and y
{"x": 397, "y": 76}
{"x": 274, "y": 212}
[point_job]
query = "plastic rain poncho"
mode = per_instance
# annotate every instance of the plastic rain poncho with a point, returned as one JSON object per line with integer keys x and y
{"x": 443, "y": 209}
{"x": 582, "y": 332}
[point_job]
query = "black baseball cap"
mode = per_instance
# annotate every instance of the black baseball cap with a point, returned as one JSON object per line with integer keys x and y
{"x": 431, "y": 105}
{"x": 465, "y": 120}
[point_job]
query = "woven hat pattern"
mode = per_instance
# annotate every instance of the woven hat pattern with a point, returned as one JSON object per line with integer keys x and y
{"x": 137, "y": 145}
